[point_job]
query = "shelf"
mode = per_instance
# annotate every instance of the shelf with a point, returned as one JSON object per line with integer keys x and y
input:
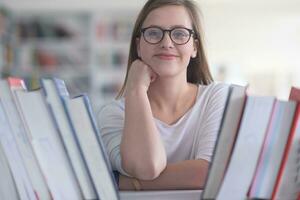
{"x": 99, "y": 45}
{"x": 88, "y": 50}
{"x": 54, "y": 42}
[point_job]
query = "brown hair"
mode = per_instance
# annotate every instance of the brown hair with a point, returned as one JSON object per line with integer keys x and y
{"x": 198, "y": 70}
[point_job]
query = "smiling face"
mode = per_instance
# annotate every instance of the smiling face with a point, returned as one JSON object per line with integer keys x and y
{"x": 167, "y": 58}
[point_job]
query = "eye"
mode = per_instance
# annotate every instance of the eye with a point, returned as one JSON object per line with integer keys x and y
{"x": 180, "y": 33}
{"x": 153, "y": 33}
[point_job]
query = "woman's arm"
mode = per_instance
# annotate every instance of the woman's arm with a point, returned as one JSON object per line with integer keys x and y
{"x": 188, "y": 174}
{"x": 142, "y": 151}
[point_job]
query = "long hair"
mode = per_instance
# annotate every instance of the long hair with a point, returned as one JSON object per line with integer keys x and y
{"x": 198, "y": 70}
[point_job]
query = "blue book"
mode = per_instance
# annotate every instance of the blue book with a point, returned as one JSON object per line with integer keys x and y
{"x": 87, "y": 135}
{"x": 55, "y": 92}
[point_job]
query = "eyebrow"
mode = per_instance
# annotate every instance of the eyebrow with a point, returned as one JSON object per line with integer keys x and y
{"x": 174, "y": 26}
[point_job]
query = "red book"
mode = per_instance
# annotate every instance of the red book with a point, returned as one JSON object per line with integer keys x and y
{"x": 288, "y": 180}
{"x": 16, "y": 83}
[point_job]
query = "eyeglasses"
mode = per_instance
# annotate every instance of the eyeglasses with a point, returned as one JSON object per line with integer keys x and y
{"x": 178, "y": 35}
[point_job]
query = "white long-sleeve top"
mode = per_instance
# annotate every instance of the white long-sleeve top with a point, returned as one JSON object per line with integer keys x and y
{"x": 192, "y": 137}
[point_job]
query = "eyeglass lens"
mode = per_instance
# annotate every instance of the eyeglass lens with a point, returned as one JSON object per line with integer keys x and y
{"x": 154, "y": 35}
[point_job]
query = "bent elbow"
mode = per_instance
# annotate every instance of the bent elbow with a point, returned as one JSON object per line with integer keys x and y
{"x": 148, "y": 173}
{"x": 144, "y": 170}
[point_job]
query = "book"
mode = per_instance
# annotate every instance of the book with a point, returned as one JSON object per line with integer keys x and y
{"x": 55, "y": 91}
{"x": 287, "y": 185}
{"x": 225, "y": 141}
{"x": 16, "y": 83}
{"x": 272, "y": 150}
{"x": 87, "y": 135}
{"x": 246, "y": 150}
{"x": 21, "y": 136}
{"x": 8, "y": 188}
{"x": 20, "y": 175}
{"x": 47, "y": 145}
{"x": 251, "y": 126}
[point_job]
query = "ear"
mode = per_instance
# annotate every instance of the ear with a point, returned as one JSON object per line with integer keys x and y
{"x": 195, "y": 45}
{"x": 137, "y": 43}
{"x": 194, "y": 54}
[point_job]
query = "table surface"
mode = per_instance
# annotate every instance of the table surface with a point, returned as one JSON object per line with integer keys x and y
{"x": 161, "y": 195}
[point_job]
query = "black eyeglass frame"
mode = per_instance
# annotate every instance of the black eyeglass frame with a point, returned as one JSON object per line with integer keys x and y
{"x": 191, "y": 32}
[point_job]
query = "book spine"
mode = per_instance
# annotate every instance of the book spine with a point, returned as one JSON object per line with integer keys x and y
{"x": 98, "y": 137}
{"x": 286, "y": 153}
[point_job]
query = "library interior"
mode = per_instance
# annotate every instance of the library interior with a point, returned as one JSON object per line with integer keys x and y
{"x": 252, "y": 44}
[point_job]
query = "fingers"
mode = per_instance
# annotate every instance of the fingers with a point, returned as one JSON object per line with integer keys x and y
{"x": 153, "y": 75}
{"x": 140, "y": 76}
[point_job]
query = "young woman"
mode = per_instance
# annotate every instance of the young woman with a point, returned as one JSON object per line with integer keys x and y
{"x": 161, "y": 130}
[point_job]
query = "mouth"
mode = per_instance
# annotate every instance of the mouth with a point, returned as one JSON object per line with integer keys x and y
{"x": 166, "y": 56}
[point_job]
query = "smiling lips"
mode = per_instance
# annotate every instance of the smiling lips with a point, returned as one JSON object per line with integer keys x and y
{"x": 165, "y": 56}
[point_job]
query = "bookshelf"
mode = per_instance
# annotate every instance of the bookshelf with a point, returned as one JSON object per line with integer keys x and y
{"x": 5, "y": 41}
{"x": 86, "y": 49}
{"x": 50, "y": 44}
{"x": 110, "y": 46}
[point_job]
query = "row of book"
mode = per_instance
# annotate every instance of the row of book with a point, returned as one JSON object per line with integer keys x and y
{"x": 118, "y": 30}
{"x": 39, "y": 27}
{"x": 257, "y": 153}
{"x": 50, "y": 147}
{"x": 42, "y": 59}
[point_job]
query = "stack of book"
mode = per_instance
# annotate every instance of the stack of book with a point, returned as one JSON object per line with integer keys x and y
{"x": 50, "y": 147}
{"x": 257, "y": 154}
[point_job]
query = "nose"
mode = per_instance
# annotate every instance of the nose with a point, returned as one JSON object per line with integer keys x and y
{"x": 166, "y": 42}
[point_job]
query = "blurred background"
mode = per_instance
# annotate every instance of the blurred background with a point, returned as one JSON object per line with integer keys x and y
{"x": 86, "y": 43}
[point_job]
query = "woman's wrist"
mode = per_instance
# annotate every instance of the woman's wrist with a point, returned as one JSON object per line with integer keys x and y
{"x": 136, "y": 184}
{"x": 129, "y": 183}
{"x": 135, "y": 91}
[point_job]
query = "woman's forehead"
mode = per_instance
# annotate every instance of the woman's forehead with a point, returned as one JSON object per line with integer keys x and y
{"x": 168, "y": 16}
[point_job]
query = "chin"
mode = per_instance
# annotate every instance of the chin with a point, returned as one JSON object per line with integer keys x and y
{"x": 165, "y": 68}
{"x": 166, "y": 71}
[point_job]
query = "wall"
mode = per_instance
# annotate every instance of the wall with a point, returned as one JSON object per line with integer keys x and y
{"x": 254, "y": 42}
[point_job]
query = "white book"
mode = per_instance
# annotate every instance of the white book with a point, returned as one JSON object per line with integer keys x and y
{"x": 273, "y": 149}
{"x": 47, "y": 146}
{"x": 287, "y": 184}
{"x": 247, "y": 147}
{"x": 55, "y": 91}
{"x": 8, "y": 188}
{"x": 91, "y": 147}
{"x": 23, "y": 184}
{"x": 225, "y": 142}
{"x": 23, "y": 142}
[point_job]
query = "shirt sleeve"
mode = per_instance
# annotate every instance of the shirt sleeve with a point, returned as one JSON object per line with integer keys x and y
{"x": 211, "y": 121}
{"x": 111, "y": 123}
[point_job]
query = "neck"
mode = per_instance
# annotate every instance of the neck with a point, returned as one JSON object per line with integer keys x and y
{"x": 169, "y": 94}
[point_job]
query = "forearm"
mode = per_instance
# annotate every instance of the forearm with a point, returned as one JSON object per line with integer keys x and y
{"x": 189, "y": 174}
{"x": 142, "y": 150}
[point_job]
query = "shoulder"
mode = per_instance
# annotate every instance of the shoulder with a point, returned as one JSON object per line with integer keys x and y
{"x": 212, "y": 97}
{"x": 214, "y": 90}
{"x": 216, "y": 86}
{"x": 111, "y": 110}
{"x": 113, "y": 105}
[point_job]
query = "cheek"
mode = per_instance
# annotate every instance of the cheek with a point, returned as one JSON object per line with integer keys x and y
{"x": 187, "y": 52}
{"x": 145, "y": 52}
{"x": 190, "y": 49}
